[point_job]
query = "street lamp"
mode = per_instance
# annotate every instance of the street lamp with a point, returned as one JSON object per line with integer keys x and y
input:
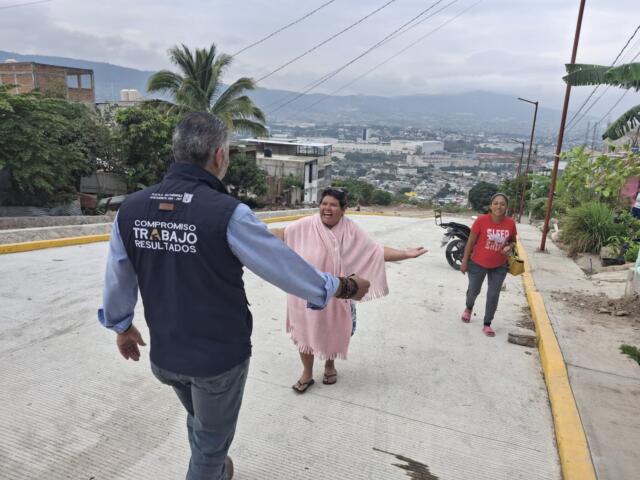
{"x": 513, "y": 207}
{"x": 533, "y": 129}
{"x": 521, "y": 155}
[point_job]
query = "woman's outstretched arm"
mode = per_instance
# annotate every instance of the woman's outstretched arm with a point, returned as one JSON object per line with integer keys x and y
{"x": 395, "y": 255}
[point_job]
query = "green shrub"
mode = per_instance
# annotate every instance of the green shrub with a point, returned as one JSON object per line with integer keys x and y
{"x": 538, "y": 208}
{"x": 625, "y": 240}
{"x": 480, "y": 195}
{"x": 380, "y": 197}
{"x": 632, "y": 252}
{"x": 587, "y": 228}
{"x": 631, "y": 351}
{"x": 453, "y": 208}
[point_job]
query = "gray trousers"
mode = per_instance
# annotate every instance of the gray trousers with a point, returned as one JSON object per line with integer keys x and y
{"x": 495, "y": 278}
{"x": 212, "y": 405}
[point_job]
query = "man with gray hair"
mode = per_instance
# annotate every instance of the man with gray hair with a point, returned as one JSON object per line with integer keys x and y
{"x": 183, "y": 243}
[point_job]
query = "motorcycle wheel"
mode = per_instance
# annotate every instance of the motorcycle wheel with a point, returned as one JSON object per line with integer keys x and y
{"x": 455, "y": 252}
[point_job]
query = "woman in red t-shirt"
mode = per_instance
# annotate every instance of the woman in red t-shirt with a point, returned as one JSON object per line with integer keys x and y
{"x": 492, "y": 237}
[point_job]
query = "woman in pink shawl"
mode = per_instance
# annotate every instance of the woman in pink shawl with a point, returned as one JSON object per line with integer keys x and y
{"x": 333, "y": 243}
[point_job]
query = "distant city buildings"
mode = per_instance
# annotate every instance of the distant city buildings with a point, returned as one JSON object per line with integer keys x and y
{"x": 130, "y": 95}
{"x": 432, "y": 146}
{"x": 398, "y": 147}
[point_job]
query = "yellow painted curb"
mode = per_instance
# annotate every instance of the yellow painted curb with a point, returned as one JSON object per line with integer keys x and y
{"x": 290, "y": 218}
{"x": 573, "y": 449}
{"x": 68, "y": 241}
{"x": 383, "y": 214}
{"x": 55, "y": 242}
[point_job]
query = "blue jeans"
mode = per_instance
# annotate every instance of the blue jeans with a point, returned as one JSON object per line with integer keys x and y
{"x": 213, "y": 405}
{"x": 495, "y": 277}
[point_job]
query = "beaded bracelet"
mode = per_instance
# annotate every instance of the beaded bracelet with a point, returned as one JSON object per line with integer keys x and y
{"x": 347, "y": 288}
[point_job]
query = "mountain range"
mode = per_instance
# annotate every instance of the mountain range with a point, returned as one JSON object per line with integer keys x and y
{"x": 471, "y": 111}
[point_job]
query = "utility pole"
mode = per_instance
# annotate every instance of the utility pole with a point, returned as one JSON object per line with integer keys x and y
{"x": 526, "y": 174}
{"x": 593, "y": 139}
{"x": 563, "y": 121}
{"x": 586, "y": 133}
{"x": 513, "y": 208}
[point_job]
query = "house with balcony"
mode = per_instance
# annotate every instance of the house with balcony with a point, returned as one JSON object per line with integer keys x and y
{"x": 308, "y": 162}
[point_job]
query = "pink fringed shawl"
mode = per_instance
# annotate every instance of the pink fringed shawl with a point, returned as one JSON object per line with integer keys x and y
{"x": 342, "y": 250}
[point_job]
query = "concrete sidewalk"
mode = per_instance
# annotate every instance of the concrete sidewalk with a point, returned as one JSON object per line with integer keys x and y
{"x": 605, "y": 383}
{"x": 422, "y": 395}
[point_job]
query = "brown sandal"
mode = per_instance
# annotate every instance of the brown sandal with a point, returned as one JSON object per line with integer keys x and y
{"x": 330, "y": 379}
{"x": 301, "y": 387}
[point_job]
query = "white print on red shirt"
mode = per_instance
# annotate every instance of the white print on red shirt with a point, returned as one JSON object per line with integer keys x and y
{"x": 496, "y": 239}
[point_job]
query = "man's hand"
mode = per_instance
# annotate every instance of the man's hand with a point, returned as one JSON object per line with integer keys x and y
{"x": 363, "y": 287}
{"x": 128, "y": 343}
{"x": 415, "y": 252}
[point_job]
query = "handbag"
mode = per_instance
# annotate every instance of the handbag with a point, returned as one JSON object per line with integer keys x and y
{"x": 515, "y": 263}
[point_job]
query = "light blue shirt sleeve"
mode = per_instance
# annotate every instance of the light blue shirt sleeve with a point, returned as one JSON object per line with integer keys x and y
{"x": 269, "y": 258}
{"x": 120, "y": 293}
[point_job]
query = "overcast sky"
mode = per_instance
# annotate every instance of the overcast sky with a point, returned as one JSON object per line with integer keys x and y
{"x": 516, "y": 47}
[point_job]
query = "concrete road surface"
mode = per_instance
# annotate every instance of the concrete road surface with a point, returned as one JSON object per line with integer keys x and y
{"x": 422, "y": 396}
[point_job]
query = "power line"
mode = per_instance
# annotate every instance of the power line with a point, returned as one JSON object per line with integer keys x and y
{"x": 598, "y": 99}
{"x": 575, "y": 115}
{"x": 572, "y": 121}
{"x": 397, "y": 32}
{"x": 315, "y": 47}
{"x": 307, "y": 15}
{"x": 399, "y": 52}
{"x": 606, "y": 89}
{"x": 621, "y": 97}
{"x": 26, "y": 4}
{"x": 626, "y": 44}
{"x": 369, "y": 50}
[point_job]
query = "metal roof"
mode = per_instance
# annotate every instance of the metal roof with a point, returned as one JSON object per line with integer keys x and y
{"x": 282, "y": 142}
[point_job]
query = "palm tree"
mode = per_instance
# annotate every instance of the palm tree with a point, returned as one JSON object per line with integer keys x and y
{"x": 198, "y": 87}
{"x": 625, "y": 76}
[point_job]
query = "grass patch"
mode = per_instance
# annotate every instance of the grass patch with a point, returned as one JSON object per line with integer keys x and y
{"x": 588, "y": 227}
{"x": 631, "y": 351}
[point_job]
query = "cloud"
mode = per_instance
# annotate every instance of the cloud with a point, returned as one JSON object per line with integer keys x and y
{"x": 36, "y": 31}
{"x": 510, "y": 46}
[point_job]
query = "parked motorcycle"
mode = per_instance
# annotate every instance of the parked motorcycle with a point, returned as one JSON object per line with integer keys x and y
{"x": 455, "y": 238}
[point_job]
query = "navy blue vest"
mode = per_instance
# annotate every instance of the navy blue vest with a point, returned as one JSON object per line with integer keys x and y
{"x": 175, "y": 234}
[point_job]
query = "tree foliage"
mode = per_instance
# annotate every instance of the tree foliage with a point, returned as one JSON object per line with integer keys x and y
{"x": 512, "y": 188}
{"x": 358, "y": 190}
{"x": 380, "y": 197}
{"x": 588, "y": 179}
{"x": 143, "y": 136}
{"x": 625, "y": 76}
{"x": 363, "y": 193}
{"x": 46, "y": 144}
{"x": 291, "y": 181}
{"x": 245, "y": 178}
{"x": 624, "y": 124}
{"x": 480, "y": 195}
{"x": 198, "y": 87}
